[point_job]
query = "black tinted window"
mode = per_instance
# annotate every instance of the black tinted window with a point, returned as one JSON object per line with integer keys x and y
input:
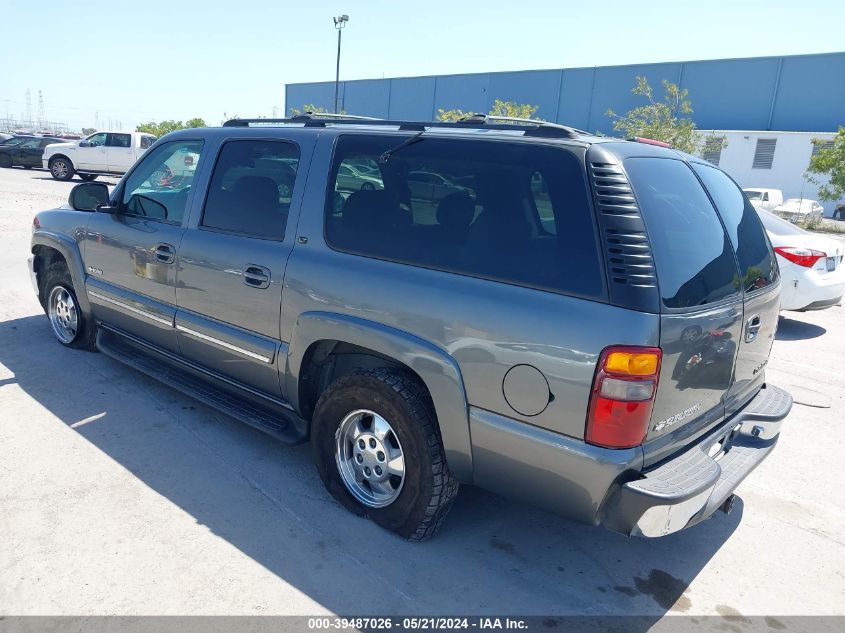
{"x": 756, "y": 260}
{"x": 692, "y": 254}
{"x": 119, "y": 140}
{"x": 251, "y": 188}
{"x": 512, "y": 212}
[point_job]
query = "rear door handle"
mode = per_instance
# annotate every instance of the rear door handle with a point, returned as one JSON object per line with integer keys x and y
{"x": 256, "y": 276}
{"x": 165, "y": 253}
{"x": 752, "y": 328}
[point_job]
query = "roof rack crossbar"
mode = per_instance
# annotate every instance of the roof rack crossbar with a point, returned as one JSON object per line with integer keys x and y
{"x": 529, "y": 127}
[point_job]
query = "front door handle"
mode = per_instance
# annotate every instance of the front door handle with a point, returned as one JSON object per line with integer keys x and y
{"x": 165, "y": 253}
{"x": 256, "y": 276}
{"x": 752, "y": 328}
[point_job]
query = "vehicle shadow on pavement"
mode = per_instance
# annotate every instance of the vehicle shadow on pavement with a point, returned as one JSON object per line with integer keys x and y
{"x": 493, "y": 556}
{"x": 793, "y": 330}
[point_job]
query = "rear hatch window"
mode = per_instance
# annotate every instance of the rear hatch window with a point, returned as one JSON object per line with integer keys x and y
{"x": 692, "y": 254}
{"x": 757, "y": 264}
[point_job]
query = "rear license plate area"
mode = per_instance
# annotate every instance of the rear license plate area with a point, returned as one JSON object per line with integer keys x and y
{"x": 831, "y": 264}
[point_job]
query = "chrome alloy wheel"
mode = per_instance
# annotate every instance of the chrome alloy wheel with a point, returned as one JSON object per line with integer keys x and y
{"x": 63, "y": 316}
{"x": 59, "y": 169}
{"x": 369, "y": 458}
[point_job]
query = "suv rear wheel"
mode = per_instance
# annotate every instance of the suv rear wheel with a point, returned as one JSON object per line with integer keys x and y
{"x": 70, "y": 326}
{"x": 379, "y": 453}
{"x": 61, "y": 168}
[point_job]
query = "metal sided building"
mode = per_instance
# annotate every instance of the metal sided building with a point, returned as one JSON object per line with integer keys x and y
{"x": 797, "y": 93}
{"x": 757, "y": 97}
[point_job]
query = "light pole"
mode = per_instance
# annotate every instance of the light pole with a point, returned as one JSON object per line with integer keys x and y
{"x": 339, "y": 22}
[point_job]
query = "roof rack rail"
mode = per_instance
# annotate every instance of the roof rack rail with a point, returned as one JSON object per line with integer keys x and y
{"x": 529, "y": 127}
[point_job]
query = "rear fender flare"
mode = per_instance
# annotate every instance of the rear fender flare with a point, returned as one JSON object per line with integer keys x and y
{"x": 436, "y": 368}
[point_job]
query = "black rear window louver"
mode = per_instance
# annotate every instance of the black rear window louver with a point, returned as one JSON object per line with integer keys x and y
{"x": 630, "y": 266}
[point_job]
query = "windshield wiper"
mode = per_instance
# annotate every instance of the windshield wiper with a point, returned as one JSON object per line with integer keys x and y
{"x": 408, "y": 141}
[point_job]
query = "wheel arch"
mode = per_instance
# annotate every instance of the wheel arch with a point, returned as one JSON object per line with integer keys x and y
{"x": 57, "y": 156}
{"x": 48, "y": 248}
{"x": 325, "y": 346}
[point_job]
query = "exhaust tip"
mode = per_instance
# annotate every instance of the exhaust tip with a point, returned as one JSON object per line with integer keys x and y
{"x": 728, "y": 504}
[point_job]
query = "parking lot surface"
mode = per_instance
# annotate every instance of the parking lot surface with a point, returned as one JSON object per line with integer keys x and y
{"x": 119, "y": 495}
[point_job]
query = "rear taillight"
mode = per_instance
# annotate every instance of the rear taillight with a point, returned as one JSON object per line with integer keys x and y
{"x": 36, "y": 224}
{"x": 623, "y": 396}
{"x": 805, "y": 257}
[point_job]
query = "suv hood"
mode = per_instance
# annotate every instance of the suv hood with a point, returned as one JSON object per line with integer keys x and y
{"x": 62, "y": 145}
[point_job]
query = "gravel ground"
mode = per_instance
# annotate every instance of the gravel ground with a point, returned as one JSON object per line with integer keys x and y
{"x": 121, "y": 496}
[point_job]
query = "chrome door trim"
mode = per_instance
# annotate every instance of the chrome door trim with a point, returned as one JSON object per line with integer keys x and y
{"x": 133, "y": 309}
{"x": 223, "y": 344}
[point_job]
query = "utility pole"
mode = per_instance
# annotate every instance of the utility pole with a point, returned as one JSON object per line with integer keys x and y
{"x": 339, "y": 22}
{"x": 41, "y": 118}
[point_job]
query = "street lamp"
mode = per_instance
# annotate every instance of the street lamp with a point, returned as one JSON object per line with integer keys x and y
{"x": 339, "y": 22}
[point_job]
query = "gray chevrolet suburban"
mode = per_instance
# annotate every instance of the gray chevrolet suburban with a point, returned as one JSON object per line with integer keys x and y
{"x": 580, "y": 322}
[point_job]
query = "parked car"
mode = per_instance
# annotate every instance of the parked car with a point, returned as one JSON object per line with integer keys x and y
{"x": 810, "y": 265}
{"x": 351, "y": 178}
{"x": 428, "y": 185}
{"x": 606, "y": 361}
{"x": 101, "y": 153}
{"x": 799, "y": 210}
{"x": 4, "y": 137}
{"x": 27, "y": 153}
{"x": 765, "y": 199}
{"x": 839, "y": 212}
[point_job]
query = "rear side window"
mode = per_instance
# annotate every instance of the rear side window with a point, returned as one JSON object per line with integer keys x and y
{"x": 692, "y": 254}
{"x": 119, "y": 140}
{"x": 251, "y": 188}
{"x": 757, "y": 264}
{"x": 511, "y": 212}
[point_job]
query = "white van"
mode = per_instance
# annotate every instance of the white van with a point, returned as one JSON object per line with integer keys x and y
{"x": 765, "y": 199}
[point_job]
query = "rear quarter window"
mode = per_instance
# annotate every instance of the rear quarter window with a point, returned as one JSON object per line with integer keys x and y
{"x": 692, "y": 254}
{"x": 757, "y": 264}
{"x": 511, "y": 212}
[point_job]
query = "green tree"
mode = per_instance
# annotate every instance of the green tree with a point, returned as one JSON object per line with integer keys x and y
{"x": 829, "y": 162}
{"x": 660, "y": 120}
{"x": 161, "y": 128}
{"x": 310, "y": 107}
{"x": 500, "y": 108}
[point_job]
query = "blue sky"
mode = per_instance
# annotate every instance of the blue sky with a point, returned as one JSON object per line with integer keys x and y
{"x": 133, "y": 60}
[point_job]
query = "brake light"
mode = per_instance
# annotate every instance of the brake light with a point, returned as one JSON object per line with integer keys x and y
{"x": 651, "y": 141}
{"x": 623, "y": 396}
{"x": 36, "y": 223}
{"x": 805, "y": 257}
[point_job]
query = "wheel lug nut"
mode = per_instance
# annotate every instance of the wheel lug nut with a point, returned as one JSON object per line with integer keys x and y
{"x": 378, "y": 471}
{"x": 359, "y": 457}
{"x": 367, "y": 471}
{"x": 380, "y": 456}
{"x": 372, "y": 443}
{"x": 361, "y": 444}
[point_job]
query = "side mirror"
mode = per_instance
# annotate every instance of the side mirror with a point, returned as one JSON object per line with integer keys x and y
{"x": 89, "y": 196}
{"x": 84, "y": 143}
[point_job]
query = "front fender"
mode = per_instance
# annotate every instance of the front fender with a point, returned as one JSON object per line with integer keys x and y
{"x": 69, "y": 249}
{"x": 438, "y": 371}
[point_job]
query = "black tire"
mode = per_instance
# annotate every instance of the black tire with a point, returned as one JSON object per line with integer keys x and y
{"x": 88, "y": 177}
{"x": 428, "y": 489}
{"x": 59, "y": 173}
{"x": 368, "y": 186}
{"x": 58, "y": 275}
{"x": 5, "y": 160}
{"x": 27, "y": 166}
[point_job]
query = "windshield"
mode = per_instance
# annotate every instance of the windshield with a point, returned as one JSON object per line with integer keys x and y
{"x": 753, "y": 195}
{"x": 778, "y": 226}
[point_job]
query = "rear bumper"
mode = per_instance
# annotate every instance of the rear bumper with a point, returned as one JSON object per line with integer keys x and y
{"x": 688, "y": 488}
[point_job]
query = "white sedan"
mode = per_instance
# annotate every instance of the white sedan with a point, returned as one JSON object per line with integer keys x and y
{"x": 811, "y": 268}
{"x": 799, "y": 210}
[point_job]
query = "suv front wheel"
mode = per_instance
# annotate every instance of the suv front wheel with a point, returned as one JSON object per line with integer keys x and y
{"x": 69, "y": 324}
{"x": 379, "y": 453}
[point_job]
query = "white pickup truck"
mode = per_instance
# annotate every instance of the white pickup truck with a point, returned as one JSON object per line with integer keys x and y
{"x": 101, "y": 153}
